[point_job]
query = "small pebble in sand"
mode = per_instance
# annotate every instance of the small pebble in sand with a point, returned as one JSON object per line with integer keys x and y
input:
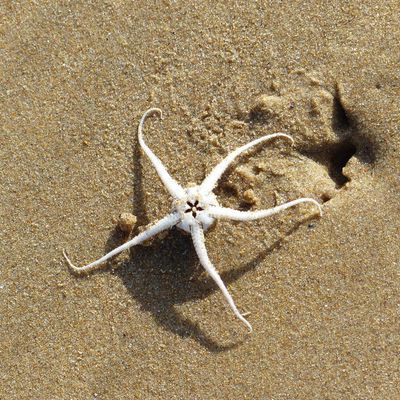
{"x": 250, "y": 198}
{"x": 126, "y": 222}
{"x": 265, "y": 105}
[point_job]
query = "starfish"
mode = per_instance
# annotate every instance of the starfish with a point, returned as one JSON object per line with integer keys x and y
{"x": 195, "y": 209}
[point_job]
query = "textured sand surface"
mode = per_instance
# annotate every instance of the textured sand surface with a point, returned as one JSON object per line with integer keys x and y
{"x": 324, "y": 294}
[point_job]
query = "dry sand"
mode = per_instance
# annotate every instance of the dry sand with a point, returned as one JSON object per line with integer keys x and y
{"x": 323, "y": 293}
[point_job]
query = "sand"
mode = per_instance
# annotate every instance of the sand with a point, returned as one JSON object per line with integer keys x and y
{"x": 323, "y": 293}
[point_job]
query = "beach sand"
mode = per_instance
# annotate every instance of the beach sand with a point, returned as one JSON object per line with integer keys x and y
{"x": 323, "y": 293}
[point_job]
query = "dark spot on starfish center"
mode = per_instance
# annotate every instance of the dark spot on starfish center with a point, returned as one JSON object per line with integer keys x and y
{"x": 193, "y": 208}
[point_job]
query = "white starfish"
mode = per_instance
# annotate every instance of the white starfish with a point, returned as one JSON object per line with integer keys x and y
{"x": 195, "y": 209}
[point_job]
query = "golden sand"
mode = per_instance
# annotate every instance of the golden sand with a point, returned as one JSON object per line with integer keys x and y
{"x": 323, "y": 293}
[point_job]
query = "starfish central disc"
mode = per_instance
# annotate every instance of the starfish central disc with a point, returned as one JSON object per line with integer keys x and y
{"x": 192, "y": 209}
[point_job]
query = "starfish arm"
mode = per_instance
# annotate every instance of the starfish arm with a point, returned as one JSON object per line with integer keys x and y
{"x": 236, "y": 215}
{"x": 199, "y": 245}
{"x": 163, "y": 224}
{"x": 211, "y": 180}
{"x": 170, "y": 183}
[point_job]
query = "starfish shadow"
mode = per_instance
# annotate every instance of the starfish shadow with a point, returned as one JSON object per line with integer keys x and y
{"x": 163, "y": 278}
{"x": 165, "y": 274}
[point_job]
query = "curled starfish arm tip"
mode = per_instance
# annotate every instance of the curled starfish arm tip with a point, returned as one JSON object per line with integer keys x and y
{"x": 173, "y": 187}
